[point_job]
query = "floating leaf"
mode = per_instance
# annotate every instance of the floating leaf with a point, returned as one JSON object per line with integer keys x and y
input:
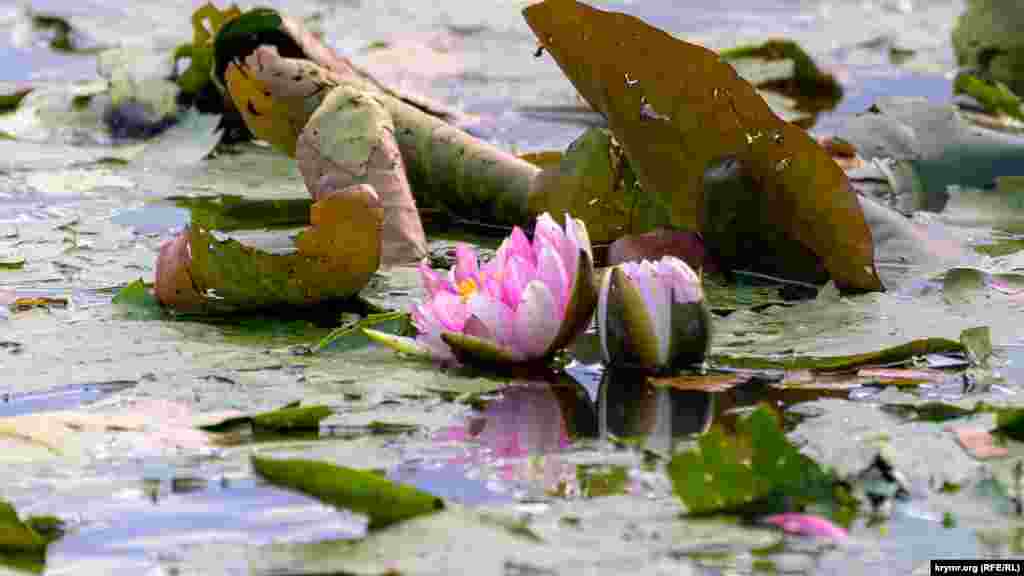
{"x": 10, "y": 262}
{"x": 702, "y": 382}
{"x": 23, "y": 544}
{"x": 891, "y": 355}
{"x": 27, "y": 303}
{"x": 993, "y": 95}
{"x": 977, "y": 342}
{"x": 197, "y": 272}
{"x": 16, "y": 536}
{"x": 748, "y": 471}
{"x": 1010, "y": 423}
{"x": 232, "y": 212}
{"x": 812, "y": 89}
{"x": 683, "y": 110}
{"x": 10, "y": 101}
{"x": 139, "y": 300}
{"x": 383, "y": 501}
{"x": 206, "y": 21}
{"x": 290, "y": 418}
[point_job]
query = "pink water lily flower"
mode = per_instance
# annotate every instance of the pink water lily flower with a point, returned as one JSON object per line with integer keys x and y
{"x": 653, "y": 315}
{"x": 530, "y": 300}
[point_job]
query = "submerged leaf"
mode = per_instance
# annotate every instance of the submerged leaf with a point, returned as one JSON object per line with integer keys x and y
{"x": 383, "y": 501}
{"x": 684, "y": 110}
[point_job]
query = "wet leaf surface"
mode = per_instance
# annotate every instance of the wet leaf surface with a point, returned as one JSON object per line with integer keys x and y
{"x": 364, "y": 492}
{"x": 757, "y": 469}
{"x": 673, "y": 130}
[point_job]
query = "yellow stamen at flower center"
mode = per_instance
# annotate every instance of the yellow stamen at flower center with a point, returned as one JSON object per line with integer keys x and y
{"x": 466, "y": 288}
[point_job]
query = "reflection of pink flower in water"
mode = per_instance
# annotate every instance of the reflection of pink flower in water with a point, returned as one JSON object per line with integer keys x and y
{"x": 522, "y": 432}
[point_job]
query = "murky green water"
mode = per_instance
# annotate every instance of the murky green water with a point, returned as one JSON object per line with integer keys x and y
{"x": 158, "y": 497}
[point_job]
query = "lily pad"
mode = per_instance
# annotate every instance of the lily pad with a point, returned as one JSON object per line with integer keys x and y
{"x": 140, "y": 302}
{"x": 681, "y": 112}
{"x": 383, "y": 501}
{"x": 335, "y": 258}
{"x": 839, "y": 363}
{"x": 291, "y": 418}
{"x": 758, "y": 468}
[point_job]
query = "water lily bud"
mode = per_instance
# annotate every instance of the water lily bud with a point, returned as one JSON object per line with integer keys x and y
{"x": 652, "y": 315}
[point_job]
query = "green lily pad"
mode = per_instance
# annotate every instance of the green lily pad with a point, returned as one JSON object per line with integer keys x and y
{"x": 755, "y": 469}
{"x": 290, "y": 418}
{"x": 16, "y": 536}
{"x": 993, "y": 95}
{"x": 383, "y": 501}
{"x": 138, "y": 300}
{"x": 840, "y": 363}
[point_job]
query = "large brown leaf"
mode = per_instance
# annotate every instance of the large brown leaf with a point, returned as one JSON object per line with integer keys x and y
{"x": 677, "y": 110}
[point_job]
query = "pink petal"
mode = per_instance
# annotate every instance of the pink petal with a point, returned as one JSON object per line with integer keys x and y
{"x": 657, "y": 300}
{"x": 493, "y": 314}
{"x": 466, "y": 265}
{"x": 434, "y": 281}
{"x": 517, "y": 244}
{"x": 602, "y": 314}
{"x": 683, "y": 281}
{"x": 517, "y": 274}
{"x": 476, "y": 327}
{"x": 551, "y": 272}
{"x": 547, "y": 231}
{"x": 573, "y": 244}
{"x": 449, "y": 310}
{"x": 807, "y": 525}
{"x": 535, "y": 323}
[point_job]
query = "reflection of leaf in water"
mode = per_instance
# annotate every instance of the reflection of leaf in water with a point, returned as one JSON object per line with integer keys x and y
{"x": 682, "y": 111}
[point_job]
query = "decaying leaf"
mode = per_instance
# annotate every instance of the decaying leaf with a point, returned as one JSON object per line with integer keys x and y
{"x": 588, "y": 182}
{"x": 702, "y": 382}
{"x": 383, "y": 501}
{"x": 678, "y": 110}
{"x": 196, "y": 272}
{"x": 206, "y": 21}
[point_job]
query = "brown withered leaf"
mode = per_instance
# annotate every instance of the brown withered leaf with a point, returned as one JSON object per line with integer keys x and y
{"x": 677, "y": 109}
{"x": 334, "y": 258}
